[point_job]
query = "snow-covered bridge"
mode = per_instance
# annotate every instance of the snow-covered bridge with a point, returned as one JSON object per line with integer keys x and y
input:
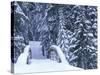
{"x": 38, "y": 63}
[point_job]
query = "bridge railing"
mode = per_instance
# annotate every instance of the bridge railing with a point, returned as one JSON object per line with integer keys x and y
{"x": 55, "y": 53}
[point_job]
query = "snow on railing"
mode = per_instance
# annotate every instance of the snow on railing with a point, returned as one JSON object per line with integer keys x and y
{"x": 22, "y": 59}
{"x": 60, "y": 53}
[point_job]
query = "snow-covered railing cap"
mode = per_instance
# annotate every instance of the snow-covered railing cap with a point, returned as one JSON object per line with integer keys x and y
{"x": 60, "y": 53}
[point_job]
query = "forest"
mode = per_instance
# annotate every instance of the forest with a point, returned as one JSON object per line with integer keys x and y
{"x": 71, "y": 27}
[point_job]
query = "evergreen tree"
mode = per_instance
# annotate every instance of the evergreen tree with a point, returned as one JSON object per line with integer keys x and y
{"x": 84, "y": 37}
{"x": 62, "y": 40}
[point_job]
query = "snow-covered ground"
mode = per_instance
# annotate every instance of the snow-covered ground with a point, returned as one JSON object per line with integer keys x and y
{"x": 41, "y": 64}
